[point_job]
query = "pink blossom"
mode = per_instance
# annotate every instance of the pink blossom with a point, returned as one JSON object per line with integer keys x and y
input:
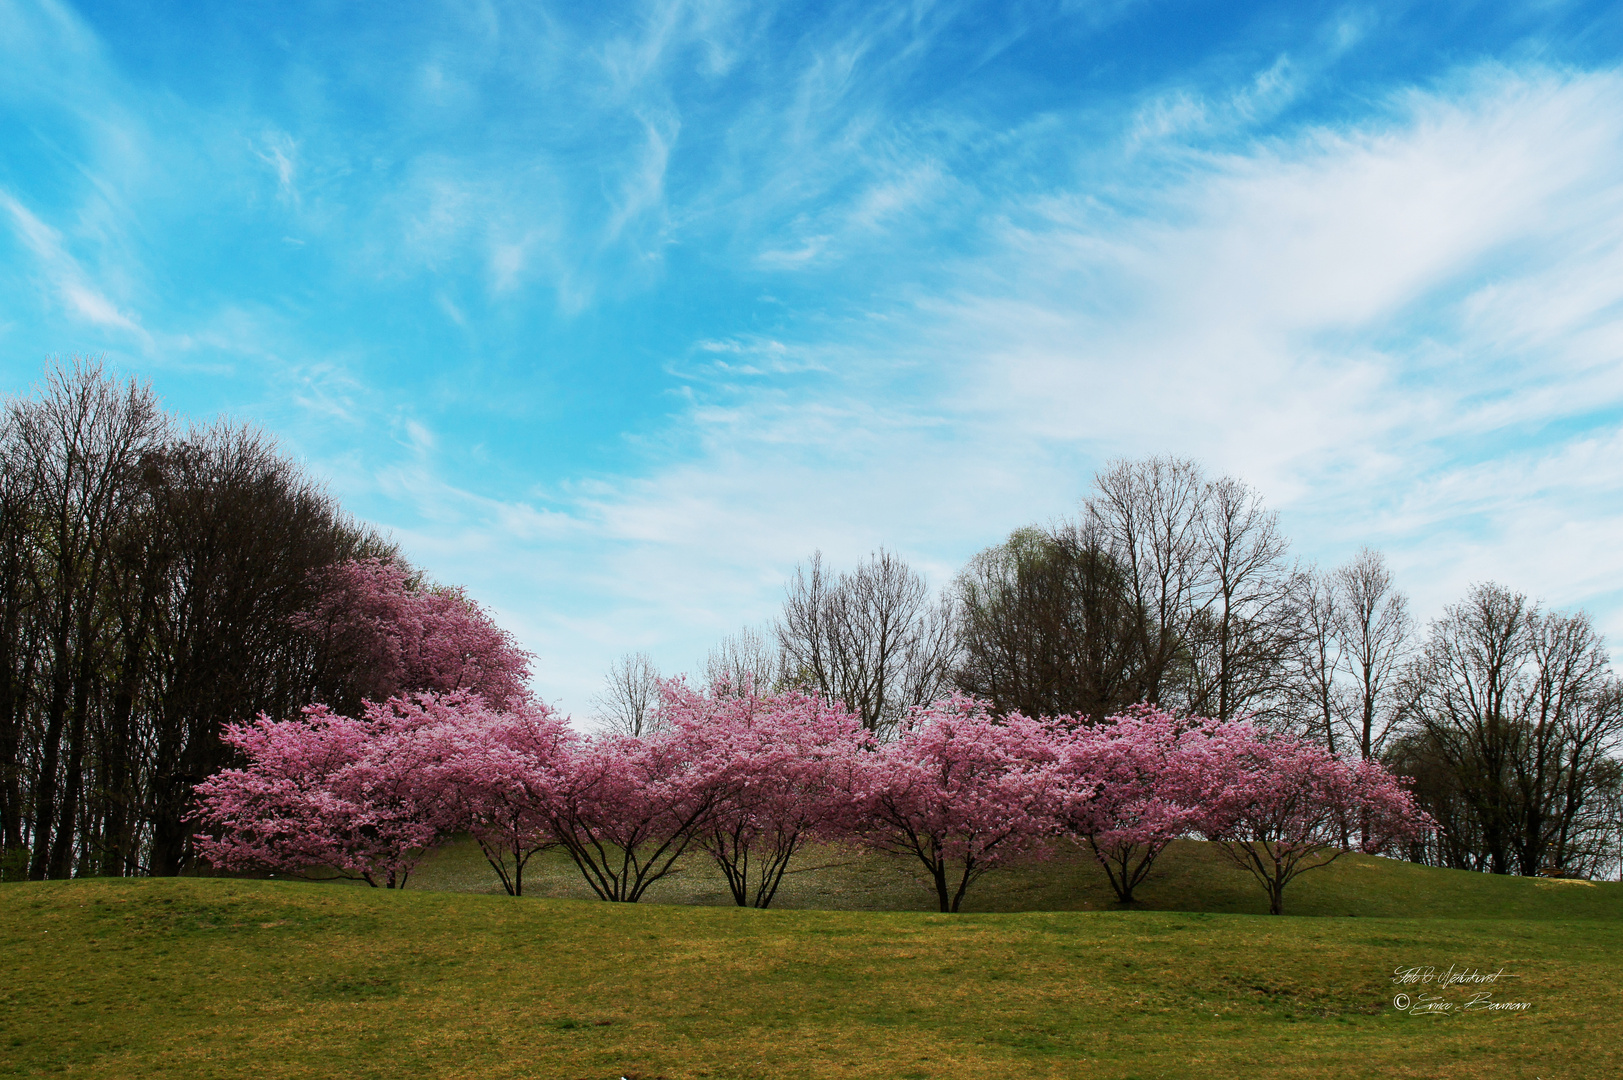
{"x": 780, "y": 766}
{"x": 499, "y": 771}
{"x": 400, "y": 638}
{"x": 358, "y": 796}
{"x": 1280, "y": 806}
{"x": 961, "y": 791}
{"x": 1133, "y": 784}
{"x": 627, "y": 809}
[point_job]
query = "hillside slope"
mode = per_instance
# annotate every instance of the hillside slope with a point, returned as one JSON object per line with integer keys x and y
{"x": 204, "y": 978}
{"x": 1190, "y": 876}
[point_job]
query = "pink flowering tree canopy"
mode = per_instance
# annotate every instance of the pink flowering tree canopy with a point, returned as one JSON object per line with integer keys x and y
{"x": 357, "y": 796}
{"x": 627, "y": 809}
{"x": 497, "y": 772}
{"x": 1133, "y": 784}
{"x": 395, "y": 636}
{"x": 1280, "y": 806}
{"x": 780, "y": 768}
{"x": 961, "y": 791}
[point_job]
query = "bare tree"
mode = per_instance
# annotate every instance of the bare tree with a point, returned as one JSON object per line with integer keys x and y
{"x": 872, "y": 639}
{"x": 83, "y": 440}
{"x": 807, "y": 632}
{"x": 742, "y": 663}
{"x": 1204, "y": 565}
{"x": 20, "y": 646}
{"x": 1314, "y": 697}
{"x": 1608, "y": 822}
{"x": 238, "y": 532}
{"x": 1373, "y": 629}
{"x": 1519, "y": 712}
{"x": 1574, "y": 723}
{"x": 1427, "y": 759}
{"x": 629, "y": 701}
{"x": 1468, "y": 705}
{"x": 1150, "y": 514}
{"x": 147, "y": 581}
{"x": 1242, "y": 632}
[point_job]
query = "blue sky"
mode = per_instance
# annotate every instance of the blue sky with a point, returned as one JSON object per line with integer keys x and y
{"x": 613, "y": 313}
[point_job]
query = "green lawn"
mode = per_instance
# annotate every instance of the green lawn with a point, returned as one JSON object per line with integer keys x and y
{"x": 242, "y": 978}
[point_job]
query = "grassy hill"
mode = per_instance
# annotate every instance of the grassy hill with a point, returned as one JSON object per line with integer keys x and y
{"x": 231, "y": 978}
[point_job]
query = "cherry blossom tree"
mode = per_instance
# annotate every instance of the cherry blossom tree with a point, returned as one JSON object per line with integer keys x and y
{"x": 1133, "y": 784}
{"x": 781, "y": 770}
{"x": 628, "y": 808}
{"x": 405, "y": 636}
{"x": 499, "y": 770}
{"x": 961, "y": 791}
{"x": 1279, "y": 806}
{"x": 362, "y": 797}
{"x": 368, "y": 797}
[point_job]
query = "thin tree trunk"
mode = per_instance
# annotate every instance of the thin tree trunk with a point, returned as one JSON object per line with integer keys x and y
{"x": 45, "y": 805}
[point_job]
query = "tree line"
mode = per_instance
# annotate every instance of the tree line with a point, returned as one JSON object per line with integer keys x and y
{"x": 159, "y": 580}
{"x": 1176, "y": 590}
{"x": 749, "y": 778}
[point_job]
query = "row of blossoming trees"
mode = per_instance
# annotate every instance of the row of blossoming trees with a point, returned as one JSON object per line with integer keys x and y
{"x": 751, "y": 778}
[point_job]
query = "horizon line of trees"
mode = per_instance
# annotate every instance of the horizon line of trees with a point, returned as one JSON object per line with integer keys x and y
{"x": 159, "y": 581}
{"x": 749, "y": 779}
{"x": 1175, "y": 590}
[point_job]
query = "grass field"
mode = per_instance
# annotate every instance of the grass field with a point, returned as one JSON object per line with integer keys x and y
{"x": 242, "y": 978}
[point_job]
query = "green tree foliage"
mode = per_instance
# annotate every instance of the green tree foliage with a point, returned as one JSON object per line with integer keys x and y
{"x": 1047, "y": 626}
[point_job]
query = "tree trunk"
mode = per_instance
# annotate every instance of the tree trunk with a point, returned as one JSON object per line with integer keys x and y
{"x": 939, "y": 872}
{"x": 45, "y": 806}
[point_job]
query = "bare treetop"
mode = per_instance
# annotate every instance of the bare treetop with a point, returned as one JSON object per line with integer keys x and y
{"x": 629, "y": 701}
{"x": 743, "y": 663}
{"x": 1203, "y": 566}
{"x": 872, "y": 639}
{"x": 1375, "y": 631}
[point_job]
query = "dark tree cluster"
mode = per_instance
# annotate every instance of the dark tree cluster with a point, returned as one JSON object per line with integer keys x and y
{"x": 1170, "y": 589}
{"x": 1510, "y": 721}
{"x": 1047, "y": 626}
{"x": 149, "y": 573}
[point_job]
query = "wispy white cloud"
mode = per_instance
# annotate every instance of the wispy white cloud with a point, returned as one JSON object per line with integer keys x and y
{"x": 280, "y": 151}
{"x": 77, "y": 293}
